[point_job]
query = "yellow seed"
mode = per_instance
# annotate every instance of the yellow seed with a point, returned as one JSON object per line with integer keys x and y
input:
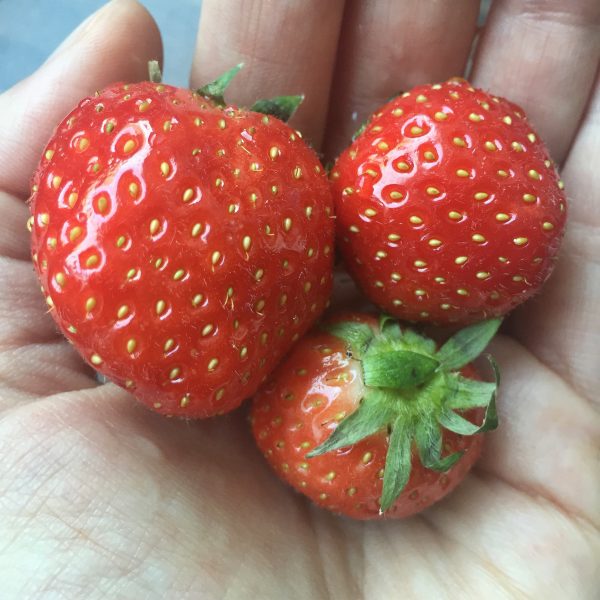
{"x": 178, "y": 274}
{"x": 367, "y": 456}
{"x": 429, "y": 155}
{"x": 462, "y": 173}
{"x": 481, "y": 196}
{"x": 134, "y": 189}
{"x": 110, "y": 126}
{"x": 393, "y": 237}
{"x": 477, "y": 237}
{"x": 188, "y": 194}
{"x": 216, "y": 257}
{"x": 282, "y": 299}
{"x": 52, "y": 241}
{"x": 258, "y": 275}
{"x": 72, "y": 199}
{"x": 415, "y": 130}
{"x": 174, "y": 373}
{"x": 297, "y": 172}
{"x": 128, "y": 146}
{"x": 75, "y": 233}
{"x": 154, "y": 226}
{"x": 459, "y": 142}
{"x": 502, "y": 173}
{"x": 529, "y": 198}
{"x": 56, "y": 181}
{"x": 520, "y": 241}
{"x": 397, "y": 112}
{"x": 92, "y": 260}
{"x": 123, "y": 311}
{"x": 547, "y": 163}
{"x": 287, "y": 224}
{"x": 502, "y": 217}
{"x": 60, "y": 279}
{"x": 547, "y": 226}
{"x": 533, "y": 174}
{"x": 121, "y": 241}
{"x": 167, "y": 126}
{"x": 421, "y": 98}
{"x": 308, "y": 211}
{"x": 415, "y": 220}
{"x": 102, "y": 204}
{"x": 507, "y": 120}
{"x": 462, "y": 292}
{"x": 83, "y": 144}
{"x": 144, "y": 106}
{"x": 454, "y": 215}
{"x": 274, "y": 152}
{"x": 461, "y": 260}
{"x": 246, "y": 242}
{"x": 383, "y": 146}
{"x": 370, "y": 212}
{"x": 207, "y": 329}
{"x": 402, "y": 166}
{"x": 475, "y": 117}
{"x": 420, "y": 264}
{"x": 212, "y": 364}
{"x": 517, "y": 278}
{"x": 165, "y": 168}
{"x": 196, "y": 229}
{"x": 517, "y": 147}
{"x": 440, "y": 116}
{"x": 420, "y": 292}
{"x": 531, "y": 137}
{"x": 49, "y": 154}
{"x": 185, "y": 400}
{"x": 131, "y": 345}
{"x": 380, "y": 254}
{"x": 160, "y": 307}
{"x": 490, "y": 146}
{"x": 503, "y": 259}
{"x": 397, "y": 302}
{"x": 96, "y": 359}
{"x": 434, "y": 243}
{"x": 396, "y": 277}
{"x": 219, "y": 394}
{"x": 197, "y": 299}
{"x": 330, "y": 476}
{"x": 169, "y": 344}
{"x": 243, "y": 352}
{"x": 432, "y": 191}
{"x": 482, "y": 275}
{"x": 440, "y": 279}
{"x": 222, "y": 124}
{"x": 90, "y": 304}
{"x": 307, "y": 287}
{"x": 260, "y": 305}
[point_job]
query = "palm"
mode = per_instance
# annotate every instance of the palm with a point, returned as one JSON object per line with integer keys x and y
{"x": 102, "y": 499}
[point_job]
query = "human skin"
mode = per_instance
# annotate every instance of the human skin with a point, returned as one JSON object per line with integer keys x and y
{"x": 101, "y": 498}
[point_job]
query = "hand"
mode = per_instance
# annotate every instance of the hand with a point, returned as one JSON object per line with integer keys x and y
{"x": 102, "y": 499}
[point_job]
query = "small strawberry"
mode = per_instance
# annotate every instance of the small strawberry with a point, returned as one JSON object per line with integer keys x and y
{"x": 370, "y": 420}
{"x": 448, "y": 206}
{"x": 182, "y": 244}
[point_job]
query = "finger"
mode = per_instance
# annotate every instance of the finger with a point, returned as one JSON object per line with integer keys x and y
{"x": 100, "y": 51}
{"x": 387, "y": 46}
{"x": 287, "y": 48}
{"x": 547, "y": 443}
{"x": 561, "y": 326}
{"x": 542, "y": 55}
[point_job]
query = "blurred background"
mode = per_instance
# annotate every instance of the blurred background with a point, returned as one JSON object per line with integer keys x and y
{"x": 31, "y": 29}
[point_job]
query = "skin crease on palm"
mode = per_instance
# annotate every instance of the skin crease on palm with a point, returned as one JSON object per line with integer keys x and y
{"x": 101, "y": 499}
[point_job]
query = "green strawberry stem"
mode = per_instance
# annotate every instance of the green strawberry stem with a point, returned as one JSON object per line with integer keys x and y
{"x": 215, "y": 90}
{"x": 412, "y": 389}
{"x": 281, "y": 107}
{"x": 154, "y": 74}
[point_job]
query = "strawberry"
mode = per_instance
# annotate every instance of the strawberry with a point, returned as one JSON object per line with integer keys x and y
{"x": 359, "y": 414}
{"x": 448, "y": 206}
{"x": 182, "y": 244}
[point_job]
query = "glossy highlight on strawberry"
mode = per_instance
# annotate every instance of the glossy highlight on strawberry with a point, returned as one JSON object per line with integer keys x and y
{"x": 449, "y": 208}
{"x": 182, "y": 247}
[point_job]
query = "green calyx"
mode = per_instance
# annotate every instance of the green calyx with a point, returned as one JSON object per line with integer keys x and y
{"x": 414, "y": 391}
{"x": 281, "y": 107}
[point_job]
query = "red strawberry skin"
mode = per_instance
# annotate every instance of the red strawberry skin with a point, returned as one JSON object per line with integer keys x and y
{"x": 448, "y": 206}
{"x": 307, "y": 396}
{"x": 182, "y": 248}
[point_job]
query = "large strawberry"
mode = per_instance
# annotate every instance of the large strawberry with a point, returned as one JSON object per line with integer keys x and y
{"x": 182, "y": 244}
{"x": 449, "y": 208}
{"x": 370, "y": 420}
